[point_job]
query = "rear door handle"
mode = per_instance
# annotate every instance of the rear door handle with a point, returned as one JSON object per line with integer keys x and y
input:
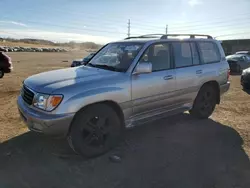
{"x": 199, "y": 72}
{"x": 168, "y": 77}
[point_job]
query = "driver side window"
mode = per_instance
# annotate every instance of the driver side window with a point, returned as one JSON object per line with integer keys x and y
{"x": 158, "y": 55}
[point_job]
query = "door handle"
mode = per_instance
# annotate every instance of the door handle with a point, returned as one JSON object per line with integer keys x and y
{"x": 168, "y": 77}
{"x": 199, "y": 72}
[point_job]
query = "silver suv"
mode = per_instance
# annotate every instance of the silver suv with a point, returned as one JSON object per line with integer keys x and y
{"x": 126, "y": 83}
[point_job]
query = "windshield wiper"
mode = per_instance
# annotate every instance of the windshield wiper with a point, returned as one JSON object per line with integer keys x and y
{"x": 107, "y": 67}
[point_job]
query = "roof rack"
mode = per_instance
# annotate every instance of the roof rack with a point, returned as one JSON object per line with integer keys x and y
{"x": 165, "y": 36}
{"x": 192, "y": 36}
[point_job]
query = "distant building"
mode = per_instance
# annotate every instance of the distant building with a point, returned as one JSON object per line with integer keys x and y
{"x": 232, "y": 46}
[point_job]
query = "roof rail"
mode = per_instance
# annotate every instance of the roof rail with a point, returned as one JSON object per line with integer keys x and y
{"x": 190, "y": 35}
{"x": 146, "y": 36}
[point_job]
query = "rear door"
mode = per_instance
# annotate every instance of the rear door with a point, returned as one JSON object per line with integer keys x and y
{"x": 214, "y": 65}
{"x": 188, "y": 72}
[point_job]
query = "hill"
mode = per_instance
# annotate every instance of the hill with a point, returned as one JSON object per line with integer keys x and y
{"x": 27, "y": 42}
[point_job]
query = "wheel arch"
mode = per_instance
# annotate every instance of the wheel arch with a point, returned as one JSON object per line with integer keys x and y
{"x": 216, "y": 86}
{"x": 115, "y": 106}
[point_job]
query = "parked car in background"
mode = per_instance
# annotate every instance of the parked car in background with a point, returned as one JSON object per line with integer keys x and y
{"x": 245, "y": 78}
{"x": 125, "y": 84}
{"x": 5, "y": 64}
{"x": 243, "y": 52}
{"x": 79, "y": 62}
{"x": 238, "y": 62}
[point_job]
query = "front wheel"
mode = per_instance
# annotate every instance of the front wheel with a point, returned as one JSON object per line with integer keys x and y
{"x": 204, "y": 103}
{"x": 95, "y": 130}
{"x": 1, "y": 73}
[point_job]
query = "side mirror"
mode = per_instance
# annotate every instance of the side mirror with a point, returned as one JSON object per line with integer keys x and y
{"x": 143, "y": 68}
{"x": 86, "y": 60}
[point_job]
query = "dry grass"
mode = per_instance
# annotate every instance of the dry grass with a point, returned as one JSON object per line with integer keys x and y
{"x": 178, "y": 152}
{"x": 25, "y": 64}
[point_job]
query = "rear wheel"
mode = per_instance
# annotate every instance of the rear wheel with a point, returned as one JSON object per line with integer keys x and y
{"x": 95, "y": 130}
{"x": 205, "y": 102}
{"x": 1, "y": 73}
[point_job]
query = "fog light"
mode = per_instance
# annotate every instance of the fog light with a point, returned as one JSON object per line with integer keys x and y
{"x": 37, "y": 126}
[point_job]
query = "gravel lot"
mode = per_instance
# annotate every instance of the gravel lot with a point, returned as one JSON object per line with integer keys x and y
{"x": 176, "y": 152}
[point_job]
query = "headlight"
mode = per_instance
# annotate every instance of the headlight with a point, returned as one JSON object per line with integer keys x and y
{"x": 47, "y": 102}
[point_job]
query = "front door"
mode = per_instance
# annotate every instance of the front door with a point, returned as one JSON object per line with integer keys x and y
{"x": 154, "y": 91}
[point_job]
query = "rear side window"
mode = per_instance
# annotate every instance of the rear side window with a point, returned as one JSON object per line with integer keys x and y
{"x": 209, "y": 52}
{"x": 182, "y": 54}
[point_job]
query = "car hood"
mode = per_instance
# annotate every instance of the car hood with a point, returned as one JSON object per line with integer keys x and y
{"x": 247, "y": 70}
{"x": 232, "y": 59}
{"x": 48, "y": 82}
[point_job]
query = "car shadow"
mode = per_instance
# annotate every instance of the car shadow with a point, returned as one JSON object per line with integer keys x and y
{"x": 176, "y": 152}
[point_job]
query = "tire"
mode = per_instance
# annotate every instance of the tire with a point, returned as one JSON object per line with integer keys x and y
{"x": 95, "y": 130}
{"x": 1, "y": 73}
{"x": 204, "y": 103}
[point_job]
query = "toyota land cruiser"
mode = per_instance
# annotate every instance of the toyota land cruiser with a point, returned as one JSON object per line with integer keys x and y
{"x": 125, "y": 84}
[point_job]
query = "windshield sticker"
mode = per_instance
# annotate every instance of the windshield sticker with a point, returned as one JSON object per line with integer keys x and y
{"x": 132, "y": 48}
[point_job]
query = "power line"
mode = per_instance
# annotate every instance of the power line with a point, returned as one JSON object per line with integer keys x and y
{"x": 136, "y": 21}
{"x": 75, "y": 28}
{"x": 236, "y": 21}
{"x": 214, "y": 28}
{"x": 226, "y": 35}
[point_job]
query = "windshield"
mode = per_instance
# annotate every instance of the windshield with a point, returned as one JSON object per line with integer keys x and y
{"x": 116, "y": 56}
{"x": 90, "y": 56}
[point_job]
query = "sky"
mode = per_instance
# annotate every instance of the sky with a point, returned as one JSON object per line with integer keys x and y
{"x": 102, "y": 21}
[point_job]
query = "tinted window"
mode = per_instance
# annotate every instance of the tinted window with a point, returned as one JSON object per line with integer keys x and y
{"x": 196, "y": 59}
{"x": 209, "y": 52}
{"x": 158, "y": 55}
{"x": 182, "y": 54}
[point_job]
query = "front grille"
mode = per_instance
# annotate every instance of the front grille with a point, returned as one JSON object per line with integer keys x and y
{"x": 27, "y": 95}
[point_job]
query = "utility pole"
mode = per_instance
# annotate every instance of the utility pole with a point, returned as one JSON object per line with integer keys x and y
{"x": 128, "y": 27}
{"x": 166, "y": 29}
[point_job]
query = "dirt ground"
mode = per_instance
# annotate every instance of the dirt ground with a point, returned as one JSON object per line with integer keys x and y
{"x": 176, "y": 152}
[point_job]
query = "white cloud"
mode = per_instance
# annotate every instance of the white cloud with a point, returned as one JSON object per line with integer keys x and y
{"x": 14, "y": 23}
{"x": 193, "y": 3}
{"x": 19, "y": 23}
{"x": 55, "y": 36}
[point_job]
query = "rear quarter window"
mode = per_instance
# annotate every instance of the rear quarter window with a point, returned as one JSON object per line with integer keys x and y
{"x": 209, "y": 52}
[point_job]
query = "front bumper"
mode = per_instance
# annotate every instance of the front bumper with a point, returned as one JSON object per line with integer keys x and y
{"x": 52, "y": 124}
{"x": 8, "y": 69}
{"x": 224, "y": 88}
{"x": 245, "y": 79}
